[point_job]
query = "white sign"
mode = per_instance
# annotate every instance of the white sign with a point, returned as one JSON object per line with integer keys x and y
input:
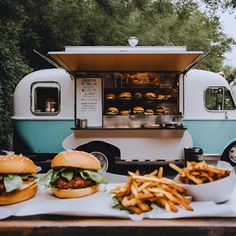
{"x": 89, "y": 100}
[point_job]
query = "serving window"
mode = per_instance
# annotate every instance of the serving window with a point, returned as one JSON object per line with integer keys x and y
{"x": 153, "y": 93}
{"x": 45, "y": 99}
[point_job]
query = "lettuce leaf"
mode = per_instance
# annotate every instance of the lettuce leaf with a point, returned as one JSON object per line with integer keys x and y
{"x": 12, "y": 182}
{"x": 46, "y": 179}
{"x": 54, "y": 175}
{"x": 67, "y": 174}
{"x": 95, "y": 176}
{"x": 117, "y": 204}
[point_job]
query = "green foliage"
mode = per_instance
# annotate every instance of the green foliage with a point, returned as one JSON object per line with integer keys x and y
{"x": 225, "y": 4}
{"x": 230, "y": 74}
{"x": 47, "y": 25}
{"x": 12, "y": 64}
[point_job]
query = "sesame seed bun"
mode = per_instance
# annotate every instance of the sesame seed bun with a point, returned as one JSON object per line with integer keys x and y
{"x": 18, "y": 195}
{"x": 75, "y": 193}
{"x": 76, "y": 159}
{"x": 16, "y": 164}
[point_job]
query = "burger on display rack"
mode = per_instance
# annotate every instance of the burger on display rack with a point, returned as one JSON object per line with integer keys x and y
{"x": 138, "y": 110}
{"x": 74, "y": 174}
{"x": 110, "y": 96}
{"x": 149, "y": 112}
{"x": 125, "y": 112}
{"x": 160, "y": 110}
{"x": 150, "y": 95}
{"x": 125, "y": 95}
{"x": 17, "y": 179}
{"x": 112, "y": 111}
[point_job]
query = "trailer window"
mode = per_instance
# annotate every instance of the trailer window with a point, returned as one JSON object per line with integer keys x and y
{"x": 45, "y": 99}
{"x": 214, "y": 98}
{"x": 219, "y": 99}
{"x": 228, "y": 101}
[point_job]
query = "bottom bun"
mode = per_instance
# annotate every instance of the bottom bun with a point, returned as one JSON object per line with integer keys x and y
{"x": 74, "y": 193}
{"x": 18, "y": 195}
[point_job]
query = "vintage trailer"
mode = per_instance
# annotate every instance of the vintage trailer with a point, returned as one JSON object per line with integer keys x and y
{"x": 126, "y": 105}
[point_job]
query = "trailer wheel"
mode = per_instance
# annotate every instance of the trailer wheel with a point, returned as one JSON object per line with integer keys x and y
{"x": 102, "y": 158}
{"x": 229, "y": 154}
{"x": 105, "y": 153}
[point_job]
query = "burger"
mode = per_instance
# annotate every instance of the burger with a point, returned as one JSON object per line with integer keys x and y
{"x": 138, "y": 110}
{"x": 149, "y": 112}
{"x": 17, "y": 179}
{"x": 125, "y": 112}
{"x": 160, "y": 110}
{"x": 125, "y": 95}
{"x": 110, "y": 96}
{"x": 74, "y": 174}
{"x": 150, "y": 95}
{"x": 112, "y": 111}
{"x": 161, "y": 97}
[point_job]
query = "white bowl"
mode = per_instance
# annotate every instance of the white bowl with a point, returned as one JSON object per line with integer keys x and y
{"x": 217, "y": 191}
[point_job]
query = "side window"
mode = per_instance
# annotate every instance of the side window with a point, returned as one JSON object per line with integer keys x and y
{"x": 45, "y": 99}
{"x": 219, "y": 98}
{"x": 228, "y": 101}
{"x": 214, "y": 98}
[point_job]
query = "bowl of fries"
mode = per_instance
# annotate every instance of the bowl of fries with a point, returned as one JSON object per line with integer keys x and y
{"x": 142, "y": 192}
{"x": 207, "y": 182}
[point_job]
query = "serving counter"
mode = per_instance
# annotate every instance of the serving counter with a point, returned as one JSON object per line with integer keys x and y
{"x": 58, "y": 225}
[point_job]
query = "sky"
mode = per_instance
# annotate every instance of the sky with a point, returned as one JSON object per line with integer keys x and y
{"x": 228, "y": 22}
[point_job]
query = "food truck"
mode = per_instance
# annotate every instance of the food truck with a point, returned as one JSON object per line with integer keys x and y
{"x": 126, "y": 105}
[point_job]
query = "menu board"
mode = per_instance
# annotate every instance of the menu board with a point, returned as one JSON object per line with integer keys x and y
{"x": 89, "y": 100}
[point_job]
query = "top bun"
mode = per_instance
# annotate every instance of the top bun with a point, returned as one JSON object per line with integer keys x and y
{"x": 125, "y": 95}
{"x": 150, "y": 95}
{"x": 112, "y": 109}
{"x": 110, "y": 96}
{"x": 76, "y": 159}
{"x": 16, "y": 164}
{"x": 138, "y": 109}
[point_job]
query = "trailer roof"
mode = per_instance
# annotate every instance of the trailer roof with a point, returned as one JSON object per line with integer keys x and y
{"x": 108, "y": 59}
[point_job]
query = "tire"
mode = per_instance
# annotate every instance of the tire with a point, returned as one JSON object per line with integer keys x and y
{"x": 105, "y": 153}
{"x": 229, "y": 154}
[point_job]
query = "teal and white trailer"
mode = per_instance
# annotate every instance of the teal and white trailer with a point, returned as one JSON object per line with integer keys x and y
{"x": 199, "y": 109}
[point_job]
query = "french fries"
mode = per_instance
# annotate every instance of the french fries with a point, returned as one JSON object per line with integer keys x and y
{"x": 141, "y": 191}
{"x": 199, "y": 173}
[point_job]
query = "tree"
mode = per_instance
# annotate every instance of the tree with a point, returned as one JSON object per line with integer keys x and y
{"x": 224, "y": 4}
{"x": 47, "y": 25}
{"x": 12, "y": 65}
{"x": 230, "y": 74}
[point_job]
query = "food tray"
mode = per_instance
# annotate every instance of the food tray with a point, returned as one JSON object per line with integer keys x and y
{"x": 100, "y": 205}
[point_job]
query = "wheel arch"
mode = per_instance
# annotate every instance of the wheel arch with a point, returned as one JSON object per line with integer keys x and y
{"x": 106, "y": 151}
{"x": 228, "y": 144}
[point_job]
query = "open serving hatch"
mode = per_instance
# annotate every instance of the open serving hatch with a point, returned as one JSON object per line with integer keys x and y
{"x": 117, "y": 59}
{"x": 93, "y": 62}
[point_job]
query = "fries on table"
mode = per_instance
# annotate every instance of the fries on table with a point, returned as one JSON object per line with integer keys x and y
{"x": 199, "y": 173}
{"x": 141, "y": 191}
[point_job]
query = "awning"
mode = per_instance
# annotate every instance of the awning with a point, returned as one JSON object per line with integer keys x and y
{"x": 130, "y": 59}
